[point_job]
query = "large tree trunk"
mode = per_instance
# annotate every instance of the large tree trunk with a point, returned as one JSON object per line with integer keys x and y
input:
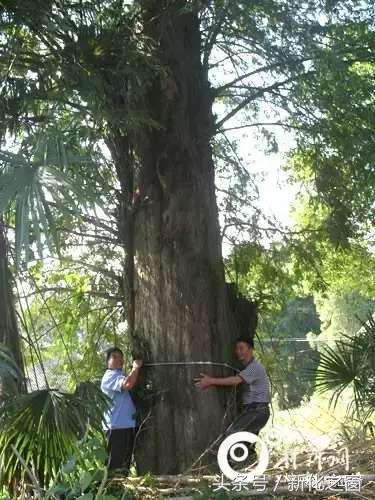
{"x": 9, "y": 333}
{"x": 177, "y": 303}
{"x": 181, "y": 309}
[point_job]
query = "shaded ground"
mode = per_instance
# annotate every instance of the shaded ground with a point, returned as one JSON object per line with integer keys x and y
{"x": 332, "y": 463}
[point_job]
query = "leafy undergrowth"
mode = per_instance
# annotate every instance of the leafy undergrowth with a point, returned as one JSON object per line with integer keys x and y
{"x": 309, "y": 439}
{"x": 95, "y": 485}
{"x": 333, "y": 462}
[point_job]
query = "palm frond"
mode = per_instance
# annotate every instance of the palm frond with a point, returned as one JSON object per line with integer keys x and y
{"x": 351, "y": 364}
{"x": 44, "y": 426}
{"x": 27, "y": 185}
{"x": 92, "y": 402}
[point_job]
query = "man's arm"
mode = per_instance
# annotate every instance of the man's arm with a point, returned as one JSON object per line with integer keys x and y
{"x": 204, "y": 381}
{"x": 130, "y": 381}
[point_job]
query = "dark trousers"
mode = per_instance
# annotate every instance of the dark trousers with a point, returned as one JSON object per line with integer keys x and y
{"x": 253, "y": 418}
{"x": 120, "y": 444}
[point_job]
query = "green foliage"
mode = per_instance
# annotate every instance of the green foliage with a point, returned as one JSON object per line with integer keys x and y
{"x": 279, "y": 277}
{"x": 93, "y": 48}
{"x": 10, "y": 374}
{"x": 264, "y": 274}
{"x": 303, "y": 263}
{"x": 43, "y": 427}
{"x": 340, "y": 314}
{"x": 291, "y": 363}
{"x": 73, "y": 78}
{"x": 83, "y": 475}
{"x": 93, "y": 61}
{"x": 43, "y": 182}
{"x": 351, "y": 364}
{"x": 334, "y": 155}
{"x": 76, "y": 315}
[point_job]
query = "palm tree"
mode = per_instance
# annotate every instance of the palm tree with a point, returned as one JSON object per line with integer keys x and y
{"x": 27, "y": 178}
{"x": 351, "y": 364}
{"x": 42, "y": 426}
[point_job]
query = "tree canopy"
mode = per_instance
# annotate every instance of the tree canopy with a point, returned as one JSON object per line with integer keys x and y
{"x": 120, "y": 154}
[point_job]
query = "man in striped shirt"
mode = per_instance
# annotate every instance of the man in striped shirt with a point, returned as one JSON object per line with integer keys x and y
{"x": 254, "y": 385}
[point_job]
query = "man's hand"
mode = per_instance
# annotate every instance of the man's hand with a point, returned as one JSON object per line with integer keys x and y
{"x": 137, "y": 363}
{"x": 203, "y": 382}
{"x": 130, "y": 381}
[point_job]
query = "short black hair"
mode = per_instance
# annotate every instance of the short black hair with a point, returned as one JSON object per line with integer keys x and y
{"x": 111, "y": 351}
{"x": 249, "y": 341}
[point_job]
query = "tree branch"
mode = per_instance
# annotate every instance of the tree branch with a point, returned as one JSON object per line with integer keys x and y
{"x": 211, "y": 37}
{"x": 270, "y": 67}
{"x": 88, "y": 235}
{"x": 61, "y": 289}
{"x": 261, "y": 124}
{"x": 255, "y": 95}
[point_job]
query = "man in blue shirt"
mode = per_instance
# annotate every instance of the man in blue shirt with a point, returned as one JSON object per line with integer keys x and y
{"x": 119, "y": 420}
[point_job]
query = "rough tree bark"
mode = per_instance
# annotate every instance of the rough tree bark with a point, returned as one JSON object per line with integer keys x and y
{"x": 9, "y": 333}
{"x": 177, "y": 302}
{"x": 180, "y": 299}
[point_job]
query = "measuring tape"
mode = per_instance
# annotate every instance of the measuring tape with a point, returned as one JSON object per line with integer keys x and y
{"x": 184, "y": 363}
